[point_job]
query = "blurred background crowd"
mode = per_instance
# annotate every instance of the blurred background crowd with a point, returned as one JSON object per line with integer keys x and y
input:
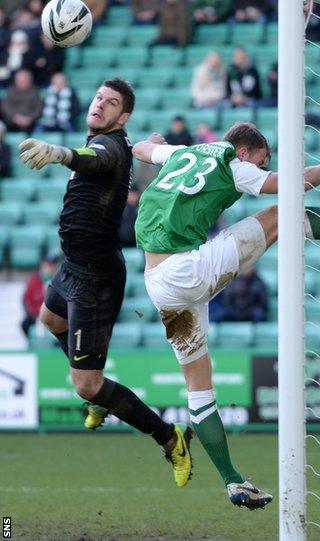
{"x": 197, "y": 66}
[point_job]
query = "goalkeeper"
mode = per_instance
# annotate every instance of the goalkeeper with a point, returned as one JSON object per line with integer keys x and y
{"x": 184, "y": 271}
{"x": 84, "y": 298}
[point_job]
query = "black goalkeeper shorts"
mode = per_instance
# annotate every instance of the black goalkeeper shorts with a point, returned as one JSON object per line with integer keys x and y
{"x": 91, "y": 304}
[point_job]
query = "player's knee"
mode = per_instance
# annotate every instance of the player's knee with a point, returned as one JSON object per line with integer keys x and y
{"x": 54, "y": 323}
{"x": 86, "y": 387}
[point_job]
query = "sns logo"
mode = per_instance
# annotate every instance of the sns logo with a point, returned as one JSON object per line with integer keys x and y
{"x": 6, "y": 527}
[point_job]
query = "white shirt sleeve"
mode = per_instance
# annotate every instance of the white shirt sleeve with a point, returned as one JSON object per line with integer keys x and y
{"x": 248, "y": 178}
{"x": 162, "y": 153}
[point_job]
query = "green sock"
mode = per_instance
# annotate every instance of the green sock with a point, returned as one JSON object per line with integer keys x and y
{"x": 212, "y": 436}
{"x": 313, "y": 215}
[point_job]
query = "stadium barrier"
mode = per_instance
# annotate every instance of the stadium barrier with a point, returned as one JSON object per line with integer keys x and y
{"x": 36, "y": 392}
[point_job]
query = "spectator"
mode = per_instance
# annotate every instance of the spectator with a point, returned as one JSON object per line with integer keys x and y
{"x": 313, "y": 27}
{"x": 208, "y": 87}
{"x": 272, "y": 77}
{"x": 61, "y": 106}
{"x": 22, "y": 105}
{"x": 5, "y": 153}
{"x": 43, "y": 60}
{"x": 243, "y": 81}
{"x": 4, "y": 30}
{"x": 174, "y": 23}
{"x": 35, "y": 291}
{"x": 205, "y": 134}
{"x": 145, "y": 11}
{"x": 27, "y": 21}
{"x": 126, "y": 231}
{"x": 246, "y": 299}
{"x": 98, "y": 9}
{"x": 179, "y": 133}
{"x": 211, "y": 11}
{"x": 251, "y": 10}
{"x": 12, "y": 58}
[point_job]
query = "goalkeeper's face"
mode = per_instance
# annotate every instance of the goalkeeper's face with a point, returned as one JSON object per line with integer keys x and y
{"x": 106, "y": 111}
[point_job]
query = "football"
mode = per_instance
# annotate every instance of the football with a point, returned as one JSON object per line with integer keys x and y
{"x": 66, "y": 22}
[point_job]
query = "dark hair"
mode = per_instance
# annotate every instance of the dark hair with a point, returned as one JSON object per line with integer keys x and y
{"x": 246, "y": 134}
{"x": 125, "y": 89}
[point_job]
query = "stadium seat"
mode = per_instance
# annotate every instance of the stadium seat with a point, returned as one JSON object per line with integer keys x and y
{"x": 212, "y": 34}
{"x": 85, "y": 96}
{"x": 10, "y": 212}
{"x": 173, "y": 98}
{"x": 40, "y": 338}
{"x": 109, "y": 36}
{"x": 87, "y": 77}
{"x": 238, "y": 114}
{"x": 269, "y": 260}
{"x": 159, "y": 121}
{"x": 266, "y": 335}
{"x": 272, "y": 33}
{"x": 41, "y": 212}
{"x": 213, "y": 335}
{"x": 138, "y": 287}
{"x": 267, "y": 118}
{"x": 311, "y": 281}
{"x": 4, "y": 237}
{"x": 119, "y": 16}
{"x": 245, "y": 34}
{"x": 142, "y": 35}
{"x": 155, "y": 77}
{"x": 25, "y": 246}
{"x": 312, "y": 308}
{"x": 135, "y": 56}
{"x": 137, "y": 308}
{"x": 126, "y": 335}
{"x": 272, "y": 138}
{"x": 52, "y": 190}
{"x": 195, "y": 54}
{"x": 273, "y": 308}
{"x": 52, "y": 240}
{"x": 147, "y": 98}
{"x": 195, "y": 117}
{"x": 270, "y": 278}
{"x": 235, "y": 334}
{"x": 312, "y": 337}
{"x": 312, "y": 254}
{"x": 139, "y": 121}
{"x": 166, "y": 56}
{"x": 182, "y": 77}
{"x": 74, "y": 140}
{"x": 129, "y": 73}
{"x": 154, "y": 336}
{"x": 100, "y": 56}
{"x": 17, "y": 190}
{"x": 134, "y": 259}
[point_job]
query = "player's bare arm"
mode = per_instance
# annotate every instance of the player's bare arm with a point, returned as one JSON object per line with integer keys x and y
{"x": 311, "y": 180}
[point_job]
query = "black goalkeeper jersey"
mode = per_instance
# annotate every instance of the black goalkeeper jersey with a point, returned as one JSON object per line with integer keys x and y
{"x": 95, "y": 199}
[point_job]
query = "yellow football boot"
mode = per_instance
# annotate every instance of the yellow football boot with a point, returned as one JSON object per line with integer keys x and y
{"x": 96, "y": 416}
{"x": 180, "y": 456}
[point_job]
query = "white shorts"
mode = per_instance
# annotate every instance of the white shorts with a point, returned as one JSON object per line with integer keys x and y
{"x": 181, "y": 286}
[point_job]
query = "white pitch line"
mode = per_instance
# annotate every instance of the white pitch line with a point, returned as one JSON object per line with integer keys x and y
{"x": 36, "y": 490}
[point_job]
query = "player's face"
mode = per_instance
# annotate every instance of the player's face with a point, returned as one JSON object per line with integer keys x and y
{"x": 106, "y": 111}
{"x": 257, "y": 157}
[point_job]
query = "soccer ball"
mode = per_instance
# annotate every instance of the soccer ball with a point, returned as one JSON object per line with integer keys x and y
{"x": 66, "y": 22}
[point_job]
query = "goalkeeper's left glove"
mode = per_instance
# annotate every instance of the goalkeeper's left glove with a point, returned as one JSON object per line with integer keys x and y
{"x": 36, "y": 154}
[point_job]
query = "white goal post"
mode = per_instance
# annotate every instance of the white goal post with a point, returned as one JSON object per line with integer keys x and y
{"x": 292, "y": 479}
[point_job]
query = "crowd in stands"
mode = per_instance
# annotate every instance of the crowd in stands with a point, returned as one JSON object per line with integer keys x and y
{"x": 36, "y": 96}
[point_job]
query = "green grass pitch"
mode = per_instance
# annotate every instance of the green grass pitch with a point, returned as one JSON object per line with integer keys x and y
{"x": 109, "y": 487}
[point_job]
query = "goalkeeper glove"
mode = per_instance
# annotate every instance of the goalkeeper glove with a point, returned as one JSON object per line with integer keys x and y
{"x": 36, "y": 154}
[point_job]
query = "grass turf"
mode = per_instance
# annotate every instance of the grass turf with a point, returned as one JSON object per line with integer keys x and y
{"x": 94, "y": 487}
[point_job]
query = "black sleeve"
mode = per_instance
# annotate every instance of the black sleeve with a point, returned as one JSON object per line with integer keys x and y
{"x": 102, "y": 154}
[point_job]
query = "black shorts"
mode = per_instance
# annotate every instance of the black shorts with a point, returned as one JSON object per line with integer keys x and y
{"x": 91, "y": 303}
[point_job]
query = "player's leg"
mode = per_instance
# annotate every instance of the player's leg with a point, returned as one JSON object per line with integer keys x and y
{"x": 91, "y": 318}
{"x": 312, "y": 223}
{"x": 54, "y": 314}
{"x": 196, "y": 365}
